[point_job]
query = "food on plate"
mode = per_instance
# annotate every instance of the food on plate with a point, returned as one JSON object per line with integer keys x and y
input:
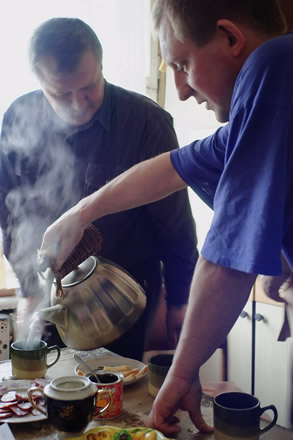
{"x": 115, "y": 433}
{"x": 123, "y": 435}
{"x": 14, "y": 403}
{"x": 151, "y": 435}
{"x": 129, "y": 373}
{"x": 118, "y": 368}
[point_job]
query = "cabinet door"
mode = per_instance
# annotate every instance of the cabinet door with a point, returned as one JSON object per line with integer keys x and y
{"x": 211, "y": 370}
{"x": 239, "y": 350}
{"x": 273, "y": 363}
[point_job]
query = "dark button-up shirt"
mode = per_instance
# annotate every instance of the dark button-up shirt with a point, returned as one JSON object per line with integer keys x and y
{"x": 46, "y": 167}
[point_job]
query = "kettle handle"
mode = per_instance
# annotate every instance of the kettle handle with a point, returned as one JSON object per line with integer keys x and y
{"x": 49, "y": 282}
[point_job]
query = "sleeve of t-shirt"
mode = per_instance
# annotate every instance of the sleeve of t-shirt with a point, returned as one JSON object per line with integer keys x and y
{"x": 200, "y": 164}
{"x": 249, "y": 205}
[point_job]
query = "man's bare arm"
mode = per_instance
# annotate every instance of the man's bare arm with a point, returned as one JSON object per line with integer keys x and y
{"x": 217, "y": 297}
{"x": 144, "y": 183}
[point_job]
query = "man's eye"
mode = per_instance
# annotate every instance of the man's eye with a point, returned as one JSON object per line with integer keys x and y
{"x": 61, "y": 96}
{"x": 89, "y": 87}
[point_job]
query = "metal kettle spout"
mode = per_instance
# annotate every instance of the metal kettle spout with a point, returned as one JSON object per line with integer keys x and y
{"x": 54, "y": 314}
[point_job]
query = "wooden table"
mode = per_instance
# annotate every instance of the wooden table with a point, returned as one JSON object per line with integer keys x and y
{"x": 136, "y": 406}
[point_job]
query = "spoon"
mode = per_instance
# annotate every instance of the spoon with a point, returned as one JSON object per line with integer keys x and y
{"x": 86, "y": 367}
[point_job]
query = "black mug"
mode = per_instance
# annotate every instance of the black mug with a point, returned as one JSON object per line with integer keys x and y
{"x": 237, "y": 416}
{"x": 69, "y": 402}
{"x": 159, "y": 366}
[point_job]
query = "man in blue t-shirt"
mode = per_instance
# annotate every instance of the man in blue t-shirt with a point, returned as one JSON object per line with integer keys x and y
{"x": 236, "y": 58}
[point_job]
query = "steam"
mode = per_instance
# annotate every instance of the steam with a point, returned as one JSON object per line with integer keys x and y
{"x": 47, "y": 188}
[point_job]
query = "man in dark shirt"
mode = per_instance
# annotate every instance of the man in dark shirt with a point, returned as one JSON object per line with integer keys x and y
{"x": 65, "y": 141}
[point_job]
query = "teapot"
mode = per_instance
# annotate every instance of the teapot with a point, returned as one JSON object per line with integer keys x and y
{"x": 98, "y": 303}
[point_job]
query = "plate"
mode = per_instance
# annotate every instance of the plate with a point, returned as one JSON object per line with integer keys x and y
{"x": 113, "y": 361}
{"x": 108, "y": 432}
{"x": 21, "y": 386}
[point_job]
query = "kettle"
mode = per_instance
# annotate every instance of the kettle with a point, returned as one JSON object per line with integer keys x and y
{"x": 99, "y": 302}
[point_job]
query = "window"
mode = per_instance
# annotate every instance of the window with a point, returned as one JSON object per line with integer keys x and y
{"x": 191, "y": 121}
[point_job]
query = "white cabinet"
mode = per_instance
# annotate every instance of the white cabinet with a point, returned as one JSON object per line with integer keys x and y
{"x": 239, "y": 350}
{"x": 273, "y": 366}
{"x": 211, "y": 371}
{"x": 273, "y": 362}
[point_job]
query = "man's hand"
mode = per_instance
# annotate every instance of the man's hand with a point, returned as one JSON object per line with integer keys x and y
{"x": 61, "y": 238}
{"x": 174, "y": 321}
{"x": 272, "y": 285}
{"x": 175, "y": 394}
{"x": 277, "y": 287}
{"x": 212, "y": 310}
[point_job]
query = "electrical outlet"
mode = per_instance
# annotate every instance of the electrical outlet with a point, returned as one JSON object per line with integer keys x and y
{"x": 4, "y": 336}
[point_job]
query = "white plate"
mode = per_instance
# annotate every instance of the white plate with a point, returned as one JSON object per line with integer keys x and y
{"x": 113, "y": 361}
{"x": 21, "y": 386}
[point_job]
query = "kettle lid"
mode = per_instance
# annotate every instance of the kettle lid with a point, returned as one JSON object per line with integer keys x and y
{"x": 80, "y": 273}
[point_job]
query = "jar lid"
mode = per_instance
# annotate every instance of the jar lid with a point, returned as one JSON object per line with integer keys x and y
{"x": 70, "y": 388}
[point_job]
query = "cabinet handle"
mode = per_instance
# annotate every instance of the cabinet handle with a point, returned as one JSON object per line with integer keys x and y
{"x": 244, "y": 314}
{"x": 258, "y": 317}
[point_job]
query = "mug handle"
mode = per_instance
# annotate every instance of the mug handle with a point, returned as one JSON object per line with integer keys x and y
{"x": 54, "y": 347}
{"x": 31, "y": 399}
{"x": 100, "y": 392}
{"x": 273, "y": 422}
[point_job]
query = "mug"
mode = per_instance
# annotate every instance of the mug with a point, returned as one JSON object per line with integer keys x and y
{"x": 112, "y": 381}
{"x": 158, "y": 368}
{"x": 237, "y": 416}
{"x": 29, "y": 359}
{"x": 69, "y": 402}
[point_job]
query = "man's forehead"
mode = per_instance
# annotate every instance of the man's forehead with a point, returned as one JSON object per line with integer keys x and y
{"x": 166, "y": 36}
{"x": 54, "y": 80}
{"x": 172, "y": 47}
{"x": 48, "y": 64}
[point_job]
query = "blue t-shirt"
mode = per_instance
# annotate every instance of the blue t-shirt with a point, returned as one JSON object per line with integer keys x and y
{"x": 245, "y": 169}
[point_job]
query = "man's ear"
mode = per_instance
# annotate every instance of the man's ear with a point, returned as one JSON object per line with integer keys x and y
{"x": 234, "y": 35}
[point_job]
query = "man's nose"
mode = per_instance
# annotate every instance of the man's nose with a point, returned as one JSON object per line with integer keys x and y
{"x": 183, "y": 89}
{"x": 79, "y": 100}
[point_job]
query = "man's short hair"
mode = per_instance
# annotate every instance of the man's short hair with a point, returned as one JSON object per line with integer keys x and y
{"x": 196, "y": 19}
{"x": 65, "y": 39}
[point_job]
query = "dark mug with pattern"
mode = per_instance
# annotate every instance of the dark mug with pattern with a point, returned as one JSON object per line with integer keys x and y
{"x": 237, "y": 416}
{"x": 69, "y": 402}
{"x": 29, "y": 358}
